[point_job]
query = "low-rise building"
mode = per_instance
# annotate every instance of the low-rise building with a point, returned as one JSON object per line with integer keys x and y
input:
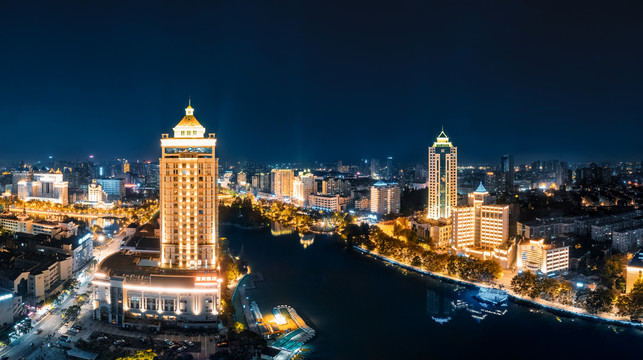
{"x": 437, "y": 231}
{"x": 11, "y": 308}
{"x": 47, "y": 273}
{"x": 547, "y": 258}
{"x": 44, "y": 187}
{"x": 331, "y": 203}
{"x": 634, "y": 271}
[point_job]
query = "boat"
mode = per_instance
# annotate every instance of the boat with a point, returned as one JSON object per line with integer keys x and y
{"x": 491, "y": 296}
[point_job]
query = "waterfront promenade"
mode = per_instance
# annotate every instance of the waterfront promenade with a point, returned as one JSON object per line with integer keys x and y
{"x": 545, "y": 304}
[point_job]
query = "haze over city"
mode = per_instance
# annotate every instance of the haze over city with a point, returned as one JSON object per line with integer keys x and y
{"x": 375, "y": 79}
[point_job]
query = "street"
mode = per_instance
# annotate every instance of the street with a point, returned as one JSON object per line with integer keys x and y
{"x": 34, "y": 345}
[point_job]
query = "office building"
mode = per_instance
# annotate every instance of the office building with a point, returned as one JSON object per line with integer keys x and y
{"x": 385, "y": 198}
{"x": 114, "y": 188}
{"x": 44, "y": 187}
{"x": 481, "y": 225}
{"x": 507, "y": 169}
{"x": 548, "y": 258}
{"x": 443, "y": 178}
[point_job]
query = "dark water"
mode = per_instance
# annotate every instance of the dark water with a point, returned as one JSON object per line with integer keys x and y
{"x": 364, "y": 309}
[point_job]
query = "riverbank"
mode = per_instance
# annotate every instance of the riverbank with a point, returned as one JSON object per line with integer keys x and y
{"x": 544, "y": 304}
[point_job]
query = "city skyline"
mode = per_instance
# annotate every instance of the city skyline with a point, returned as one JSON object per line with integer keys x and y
{"x": 342, "y": 82}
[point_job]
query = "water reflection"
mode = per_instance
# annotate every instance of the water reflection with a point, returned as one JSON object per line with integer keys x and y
{"x": 306, "y": 239}
{"x": 276, "y": 229}
{"x": 438, "y": 307}
{"x": 441, "y": 308}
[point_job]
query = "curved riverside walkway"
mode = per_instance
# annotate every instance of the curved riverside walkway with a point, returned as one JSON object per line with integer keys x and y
{"x": 547, "y": 305}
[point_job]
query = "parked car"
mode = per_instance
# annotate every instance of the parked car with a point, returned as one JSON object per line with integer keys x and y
{"x": 168, "y": 342}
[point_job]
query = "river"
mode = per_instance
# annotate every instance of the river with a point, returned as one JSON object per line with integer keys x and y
{"x": 363, "y": 308}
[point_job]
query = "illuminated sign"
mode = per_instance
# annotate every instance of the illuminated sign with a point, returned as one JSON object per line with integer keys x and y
{"x": 6, "y": 297}
{"x": 84, "y": 238}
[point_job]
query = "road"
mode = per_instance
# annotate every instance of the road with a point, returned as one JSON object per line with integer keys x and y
{"x": 52, "y": 324}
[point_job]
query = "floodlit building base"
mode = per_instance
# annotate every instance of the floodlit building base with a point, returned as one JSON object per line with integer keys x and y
{"x": 135, "y": 293}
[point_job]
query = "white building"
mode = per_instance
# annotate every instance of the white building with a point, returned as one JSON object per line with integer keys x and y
{"x": 385, "y": 198}
{"x": 303, "y": 187}
{"x": 44, "y": 187}
{"x": 443, "y": 178}
{"x": 537, "y": 256}
{"x": 95, "y": 192}
{"x": 331, "y": 203}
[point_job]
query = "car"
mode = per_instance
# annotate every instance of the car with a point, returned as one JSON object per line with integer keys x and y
{"x": 189, "y": 343}
{"x": 141, "y": 339}
{"x": 168, "y": 342}
{"x": 74, "y": 330}
{"x": 119, "y": 342}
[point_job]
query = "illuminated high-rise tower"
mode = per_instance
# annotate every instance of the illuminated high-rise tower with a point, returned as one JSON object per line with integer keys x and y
{"x": 188, "y": 194}
{"x": 443, "y": 178}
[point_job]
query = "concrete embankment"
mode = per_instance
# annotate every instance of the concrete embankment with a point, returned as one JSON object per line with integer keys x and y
{"x": 545, "y": 305}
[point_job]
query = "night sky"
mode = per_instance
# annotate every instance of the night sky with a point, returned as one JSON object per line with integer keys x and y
{"x": 324, "y": 80}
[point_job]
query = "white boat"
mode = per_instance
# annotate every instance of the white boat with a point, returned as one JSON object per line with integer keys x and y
{"x": 492, "y": 296}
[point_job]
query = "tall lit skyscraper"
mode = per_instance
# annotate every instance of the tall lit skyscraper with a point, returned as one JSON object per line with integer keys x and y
{"x": 443, "y": 178}
{"x": 188, "y": 174}
{"x": 507, "y": 168}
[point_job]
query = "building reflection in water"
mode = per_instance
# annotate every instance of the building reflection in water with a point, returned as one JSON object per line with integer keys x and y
{"x": 438, "y": 307}
{"x": 306, "y": 239}
{"x": 276, "y": 229}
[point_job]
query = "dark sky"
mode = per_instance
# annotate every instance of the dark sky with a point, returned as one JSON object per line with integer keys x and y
{"x": 324, "y": 80}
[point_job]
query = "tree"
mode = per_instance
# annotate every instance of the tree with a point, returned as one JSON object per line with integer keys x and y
{"x": 631, "y": 304}
{"x": 524, "y": 283}
{"x": 599, "y": 300}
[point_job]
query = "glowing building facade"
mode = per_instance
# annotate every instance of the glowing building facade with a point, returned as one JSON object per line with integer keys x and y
{"x": 188, "y": 196}
{"x": 481, "y": 226}
{"x": 385, "y": 198}
{"x": 547, "y": 258}
{"x": 179, "y": 284}
{"x": 44, "y": 187}
{"x": 281, "y": 183}
{"x": 443, "y": 178}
